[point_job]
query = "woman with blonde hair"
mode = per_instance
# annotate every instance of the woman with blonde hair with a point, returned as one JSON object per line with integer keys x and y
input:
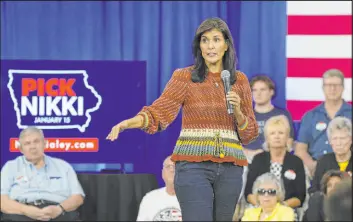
{"x": 268, "y": 193}
{"x": 280, "y": 162}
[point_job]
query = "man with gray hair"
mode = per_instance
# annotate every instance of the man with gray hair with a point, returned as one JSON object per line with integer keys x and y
{"x": 312, "y": 140}
{"x": 35, "y": 186}
{"x": 339, "y": 133}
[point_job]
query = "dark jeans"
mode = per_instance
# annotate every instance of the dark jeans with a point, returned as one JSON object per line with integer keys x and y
{"x": 68, "y": 216}
{"x": 207, "y": 191}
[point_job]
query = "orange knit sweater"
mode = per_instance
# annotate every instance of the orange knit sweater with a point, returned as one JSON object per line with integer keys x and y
{"x": 208, "y": 131}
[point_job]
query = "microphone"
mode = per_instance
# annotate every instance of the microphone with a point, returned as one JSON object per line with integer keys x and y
{"x": 225, "y": 75}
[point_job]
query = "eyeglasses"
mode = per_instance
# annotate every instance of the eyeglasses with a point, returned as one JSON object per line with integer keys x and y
{"x": 332, "y": 85}
{"x": 270, "y": 192}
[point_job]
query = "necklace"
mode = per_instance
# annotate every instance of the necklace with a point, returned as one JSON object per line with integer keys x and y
{"x": 215, "y": 82}
{"x": 213, "y": 79}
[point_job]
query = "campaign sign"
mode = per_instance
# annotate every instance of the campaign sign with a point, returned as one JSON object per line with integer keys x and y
{"x": 53, "y": 99}
{"x": 76, "y": 103}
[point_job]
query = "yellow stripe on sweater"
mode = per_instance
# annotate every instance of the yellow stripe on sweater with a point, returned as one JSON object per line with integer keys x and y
{"x": 208, "y": 142}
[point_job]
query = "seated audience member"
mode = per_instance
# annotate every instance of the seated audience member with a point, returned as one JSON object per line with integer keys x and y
{"x": 263, "y": 89}
{"x": 35, "y": 186}
{"x": 338, "y": 206}
{"x": 315, "y": 211}
{"x": 268, "y": 193}
{"x": 280, "y": 162}
{"x": 339, "y": 133}
{"x": 312, "y": 141}
{"x": 161, "y": 204}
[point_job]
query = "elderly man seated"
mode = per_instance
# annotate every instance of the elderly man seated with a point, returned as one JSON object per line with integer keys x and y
{"x": 161, "y": 204}
{"x": 35, "y": 186}
{"x": 339, "y": 132}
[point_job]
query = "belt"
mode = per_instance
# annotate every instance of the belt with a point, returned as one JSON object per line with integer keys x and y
{"x": 39, "y": 202}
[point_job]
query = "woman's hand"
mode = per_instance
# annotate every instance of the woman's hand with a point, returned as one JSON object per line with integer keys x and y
{"x": 234, "y": 99}
{"x": 135, "y": 122}
{"x": 118, "y": 128}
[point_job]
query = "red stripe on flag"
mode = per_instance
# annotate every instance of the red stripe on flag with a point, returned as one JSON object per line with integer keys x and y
{"x": 320, "y": 25}
{"x": 299, "y": 108}
{"x": 303, "y": 67}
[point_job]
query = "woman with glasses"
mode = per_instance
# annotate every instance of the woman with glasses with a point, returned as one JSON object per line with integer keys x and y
{"x": 339, "y": 133}
{"x": 280, "y": 162}
{"x": 268, "y": 193}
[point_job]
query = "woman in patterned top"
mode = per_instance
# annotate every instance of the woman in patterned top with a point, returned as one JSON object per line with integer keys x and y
{"x": 280, "y": 162}
{"x": 208, "y": 153}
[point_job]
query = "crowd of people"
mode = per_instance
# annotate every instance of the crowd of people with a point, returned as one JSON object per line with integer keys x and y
{"x": 280, "y": 184}
{"x": 225, "y": 160}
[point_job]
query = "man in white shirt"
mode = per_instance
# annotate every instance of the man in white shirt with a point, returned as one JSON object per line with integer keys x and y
{"x": 161, "y": 204}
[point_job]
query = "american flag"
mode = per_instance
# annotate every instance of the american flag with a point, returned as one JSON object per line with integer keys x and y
{"x": 319, "y": 37}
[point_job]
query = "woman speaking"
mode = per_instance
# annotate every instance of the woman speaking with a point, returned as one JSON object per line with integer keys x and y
{"x": 208, "y": 153}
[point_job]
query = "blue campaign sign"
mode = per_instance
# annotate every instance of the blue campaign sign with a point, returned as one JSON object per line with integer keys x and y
{"x": 76, "y": 103}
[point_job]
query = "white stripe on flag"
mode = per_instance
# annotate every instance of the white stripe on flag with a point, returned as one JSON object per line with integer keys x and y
{"x": 310, "y": 89}
{"x": 319, "y": 8}
{"x": 319, "y": 46}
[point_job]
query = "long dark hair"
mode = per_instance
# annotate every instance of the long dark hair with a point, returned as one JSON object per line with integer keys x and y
{"x": 327, "y": 176}
{"x": 200, "y": 70}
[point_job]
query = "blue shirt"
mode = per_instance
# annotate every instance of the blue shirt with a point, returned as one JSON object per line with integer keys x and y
{"x": 261, "y": 119}
{"x": 56, "y": 181}
{"x": 313, "y": 127}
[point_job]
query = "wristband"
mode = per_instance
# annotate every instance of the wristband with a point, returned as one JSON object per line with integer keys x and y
{"x": 62, "y": 208}
{"x": 245, "y": 124}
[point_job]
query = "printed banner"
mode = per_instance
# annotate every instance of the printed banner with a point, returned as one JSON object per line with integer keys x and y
{"x": 76, "y": 103}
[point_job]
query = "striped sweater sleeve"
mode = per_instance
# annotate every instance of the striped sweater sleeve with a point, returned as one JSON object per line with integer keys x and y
{"x": 163, "y": 111}
{"x": 251, "y": 129}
